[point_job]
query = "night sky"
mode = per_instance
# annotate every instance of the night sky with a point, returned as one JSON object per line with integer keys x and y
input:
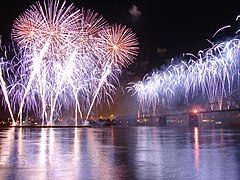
{"x": 173, "y": 26}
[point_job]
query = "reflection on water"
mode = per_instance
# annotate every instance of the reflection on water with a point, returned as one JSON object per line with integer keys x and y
{"x": 119, "y": 153}
{"x": 196, "y": 148}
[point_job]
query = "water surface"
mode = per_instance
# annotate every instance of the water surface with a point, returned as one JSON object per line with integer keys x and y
{"x": 142, "y": 153}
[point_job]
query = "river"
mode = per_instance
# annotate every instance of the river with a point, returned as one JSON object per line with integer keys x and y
{"x": 107, "y": 153}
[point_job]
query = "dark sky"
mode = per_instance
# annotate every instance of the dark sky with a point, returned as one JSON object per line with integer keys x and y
{"x": 179, "y": 26}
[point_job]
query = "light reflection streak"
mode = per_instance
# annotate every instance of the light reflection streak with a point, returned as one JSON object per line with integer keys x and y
{"x": 52, "y": 145}
{"x": 196, "y": 148}
{"x": 8, "y": 146}
{"x": 100, "y": 159}
{"x": 6, "y": 149}
{"x": 148, "y": 153}
{"x": 112, "y": 136}
{"x": 76, "y": 144}
{"x": 221, "y": 137}
{"x": 42, "y": 154}
{"x": 76, "y": 152}
{"x": 20, "y": 139}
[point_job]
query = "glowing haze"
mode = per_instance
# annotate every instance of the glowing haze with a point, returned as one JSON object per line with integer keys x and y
{"x": 66, "y": 58}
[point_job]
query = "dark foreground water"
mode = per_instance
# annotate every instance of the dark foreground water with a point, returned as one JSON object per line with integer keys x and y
{"x": 142, "y": 153}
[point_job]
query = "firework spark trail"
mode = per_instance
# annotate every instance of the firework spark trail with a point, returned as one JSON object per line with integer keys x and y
{"x": 36, "y": 69}
{"x": 90, "y": 25}
{"x": 64, "y": 76}
{"x": 42, "y": 91}
{"x": 102, "y": 81}
{"x": 213, "y": 74}
{"x": 147, "y": 91}
{"x": 121, "y": 49}
{"x": 3, "y": 86}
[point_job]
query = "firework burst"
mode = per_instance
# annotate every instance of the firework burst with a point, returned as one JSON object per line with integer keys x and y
{"x": 213, "y": 75}
{"x": 67, "y": 59}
